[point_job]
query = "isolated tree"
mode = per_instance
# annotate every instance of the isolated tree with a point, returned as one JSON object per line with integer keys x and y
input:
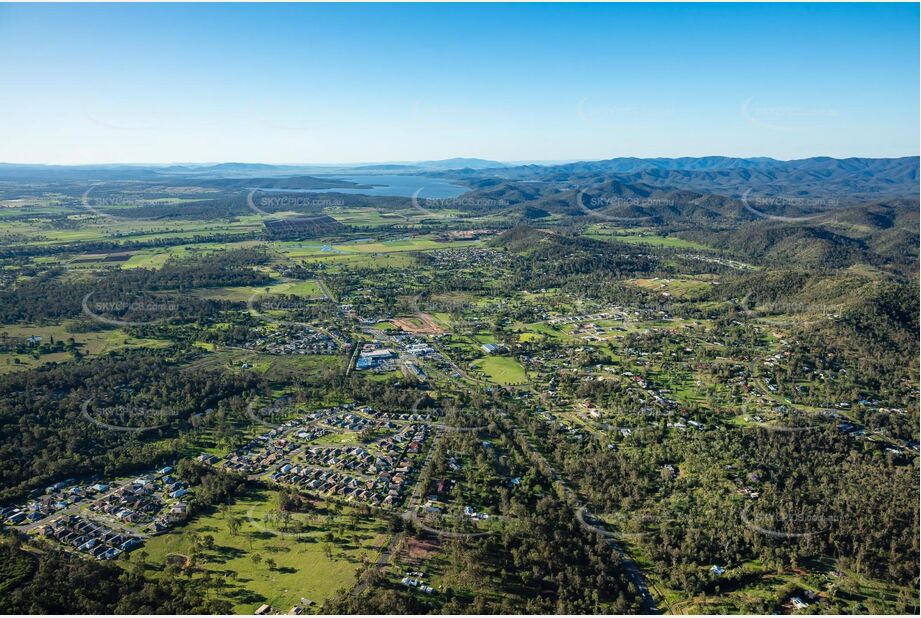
{"x": 233, "y": 525}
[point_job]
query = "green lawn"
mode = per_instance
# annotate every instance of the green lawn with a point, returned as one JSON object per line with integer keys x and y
{"x": 501, "y": 370}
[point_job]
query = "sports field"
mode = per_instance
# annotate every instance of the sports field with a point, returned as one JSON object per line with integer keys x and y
{"x": 501, "y": 370}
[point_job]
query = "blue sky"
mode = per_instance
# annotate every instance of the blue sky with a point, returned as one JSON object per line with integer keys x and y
{"x": 353, "y": 83}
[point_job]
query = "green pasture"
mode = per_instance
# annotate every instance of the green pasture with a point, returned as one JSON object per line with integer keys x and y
{"x": 266, "y": 561}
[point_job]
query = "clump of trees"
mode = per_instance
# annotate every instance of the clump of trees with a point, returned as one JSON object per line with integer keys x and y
{"x": 59, "y": 583}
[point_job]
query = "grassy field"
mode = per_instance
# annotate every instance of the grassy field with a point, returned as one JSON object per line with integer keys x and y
{"x": 153, "y": 258}
{"x": 526, "y": 337}
{"x": 107, "y": 229}
{"x": 501, "y": 370}
{"x": 313, "y": 563}
{"x": 443, "y": 319}
{"x": 484, "y": 338}
{"x": 303, "y": 289}
{"x": 641, "y": 237}
{"x": 373, "y": 217}
{"x": 272, "y": 366}
{"x": 90, "y": 344}
{"x": 314, "y": 249}
{"x": 334, "y": 261}
{"x": 559, "y": 332}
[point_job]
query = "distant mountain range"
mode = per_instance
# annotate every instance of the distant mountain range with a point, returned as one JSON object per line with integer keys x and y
{"x": 729, "y": 175}
{"x": 36, "y": 172}
{"x": 626, "y": 165}
{"x": 458, "y": 163}
{"x": 733, "y": 177}
{"x": 818, "y": 211}
{"x": 685, "y": 181}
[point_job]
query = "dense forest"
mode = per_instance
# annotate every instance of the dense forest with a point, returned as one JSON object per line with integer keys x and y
{"x": 131, "y": 295}
{"x": 57, "y": 422}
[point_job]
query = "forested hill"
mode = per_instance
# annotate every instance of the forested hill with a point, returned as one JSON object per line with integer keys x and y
{"x": 883, "y": 235}
{"x": 863, "y": 177}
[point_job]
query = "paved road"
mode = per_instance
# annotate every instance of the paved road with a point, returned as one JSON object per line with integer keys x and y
{"x": 454, "y": 365}
{"x": 71, "y": 510}
{"x": 327, "y": 291}
{"x": 384, "y": 558}
{"x": 632, "y": 569}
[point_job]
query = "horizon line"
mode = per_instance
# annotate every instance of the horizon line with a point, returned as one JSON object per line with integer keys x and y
{"x": 419, "y": 161}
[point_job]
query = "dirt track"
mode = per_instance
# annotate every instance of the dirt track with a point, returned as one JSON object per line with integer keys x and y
{"x": 428, "y": 327}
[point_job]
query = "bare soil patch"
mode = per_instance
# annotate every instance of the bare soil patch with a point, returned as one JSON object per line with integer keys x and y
{"x": 180, "y": 560}
{"x": 420, "y": 324}
{"x": 417, "y": 551}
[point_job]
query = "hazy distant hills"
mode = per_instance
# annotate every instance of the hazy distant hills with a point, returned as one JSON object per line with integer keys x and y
{"x": 629, "y": 165}
{"x": 818, "y": 211}
{"x": 41, "y": 172}
{"x": 714, "y": 192}
{"x": 460, "y": 163}
{"x": 295, "y": 183}
{"x": 608, "y": 199}
{"x": 728, "y": 176}
{"x": 733, "y": 177}
{"x": 717, "y": 191}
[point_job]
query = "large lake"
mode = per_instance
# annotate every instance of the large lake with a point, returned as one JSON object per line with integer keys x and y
{"x": 399, "y": 185}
